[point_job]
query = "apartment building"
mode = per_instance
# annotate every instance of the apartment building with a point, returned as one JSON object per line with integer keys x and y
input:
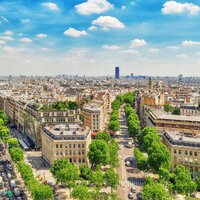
{"x": 164, "y": 121}
{"x": 189, "y": 109}
{"x": 184, "y": 149}
{"x": 36, "y": 118}
{"x": 66, "y": 141}
{"x": 93, "y": 117}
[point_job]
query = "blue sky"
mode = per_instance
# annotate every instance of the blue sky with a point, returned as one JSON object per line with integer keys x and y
{"x": 91, "y": 37}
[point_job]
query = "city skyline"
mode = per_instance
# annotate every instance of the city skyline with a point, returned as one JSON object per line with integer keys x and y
{"x": 75, "y": 37}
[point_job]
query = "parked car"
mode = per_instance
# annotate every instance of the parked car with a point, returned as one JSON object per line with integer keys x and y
{"x": 9, "y": 176}
{"x": 130, "y": 195}
{"x": 128, "y": 163}
{"x": 1, "y": 183}
{"x": 12, "y": 184}
{"x": 3, "y": 194}
{"x": 133, "y": 189}
{"x": 16, "y": 192}
{"x": 139, "y": 196}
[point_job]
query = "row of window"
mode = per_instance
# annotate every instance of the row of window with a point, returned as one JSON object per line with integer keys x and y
{"x": 70, "y": 119}
{"x": 70, "y": 153}
{"x": 191, "y": 153}
{"x": 70, "y": 146}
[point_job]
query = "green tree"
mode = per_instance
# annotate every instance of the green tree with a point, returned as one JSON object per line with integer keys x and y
{"x": 134, "y": 128}
{"x": 176, "y": 111}
{"x": 112, "y": 179}
{"x": 65, "y": 172}
{"x": 85, "y": 171}
{"x": 159, "y": 156}
{"x": 57, "y": 166}
{"x": 97, "y": 179}
{"x": 148, "y": 139}
{"x": 103, "y": 136}
{"x": 72, "y": 105}
{"x": 4, "y": 133}
{"x": 197, "y": 181}
{"x": 98, "y": 153}
{"x": 42, "y": 192}
{"x": 4, "y": 117}
{"x": 114, "y": 125}
{"x": 153, "y": 190}
{"x": 13, "y": 142}
{"x": 16, "y": 154}
{"x": 113, "y": 152}
{"x": 183, "y": 182}
{"x": 164, "y": 174}
{"x": 80, "y": 192}
{"x": 69, "y": 175}
{"x": 1, "y": 122}
{"x": 168, "y": 108}
{"x": 141, "y": 160}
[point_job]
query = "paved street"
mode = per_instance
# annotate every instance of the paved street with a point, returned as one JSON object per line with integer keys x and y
{"x": 129, "y": 176}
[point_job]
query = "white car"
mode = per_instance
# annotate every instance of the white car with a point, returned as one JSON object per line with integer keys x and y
{"x": 133, "y": 189}
{"x": 128, "y": 163}
{"x": 130, "y": 195}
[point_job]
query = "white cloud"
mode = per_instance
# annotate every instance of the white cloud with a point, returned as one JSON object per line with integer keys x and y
{"x": 74, "y": 32}
{"x": 123, "y": 7}
{"x": 173, "y": 47}
{"x": 4, "y": 19}
{"x": 173, "y": 7}
{"x": 26, "y": 40}
{"x": 197, "y": 53}
{"x": 50, "y": 6}
{"x": 9, "y": 50}
{"x": 153, "y": 50}
{"x": 111, "y": 47}
{"x": 93, "y": 28}
{"x": 8, "y": 33}
{"x": 2, "y": 42}
{"x": 130, "y": 51}
{"x": 138, "y": 43}
{"x": 108, "y": 22}
{"x": 41, "y": 35}
{"x": 182, "y": 55}
{"x": 93, "y": 7}
{"x": 8, "y": 38}
{"x": 25, "y": 21}
{"x": 44, "y": 49}
{"x": 190, "y": 43}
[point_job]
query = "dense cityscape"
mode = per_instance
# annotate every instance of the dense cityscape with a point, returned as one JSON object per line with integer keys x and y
{"x": 99, "y": 138}
{"x": 99, "y": 100}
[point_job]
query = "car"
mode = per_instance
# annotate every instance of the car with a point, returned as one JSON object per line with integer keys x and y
{"x": 130, "y": 195}
{"x": 12, "y": 184}
{"x": 3, "y": 194}
{"x": 1, "y": 168}
{"x": 9, "y": 176}
{"x": 139, "y": 196}
{"x": 133, "y": 189}
{"x": 18, "y": 198}
{"x": 16, "y": 192}
{"x": 128, "y": 163}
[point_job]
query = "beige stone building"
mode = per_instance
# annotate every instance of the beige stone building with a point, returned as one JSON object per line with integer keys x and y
{"x": 93, "y": 117}
{"x": 184, "y": 149}
{"x": 66, "y": 141}
{"x": 164, "y": 121}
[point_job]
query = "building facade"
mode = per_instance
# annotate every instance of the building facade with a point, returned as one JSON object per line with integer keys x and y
{"x": 184, "y": 149}
{"x": 66, "y": 141}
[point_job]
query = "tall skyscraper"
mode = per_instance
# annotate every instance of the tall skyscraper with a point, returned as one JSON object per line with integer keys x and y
{"x": 116, "y": 72}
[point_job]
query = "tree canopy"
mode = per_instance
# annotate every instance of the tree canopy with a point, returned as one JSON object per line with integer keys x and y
{"x": 99, "y": 153}
{"x": 183, "y": 182}
{"x": 153, "y": 190}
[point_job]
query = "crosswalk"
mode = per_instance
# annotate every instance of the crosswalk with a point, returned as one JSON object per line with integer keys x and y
{"x": 131, "y": 183}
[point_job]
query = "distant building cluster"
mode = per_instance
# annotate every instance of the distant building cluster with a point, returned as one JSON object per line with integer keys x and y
{"x": 58, "y": 131}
